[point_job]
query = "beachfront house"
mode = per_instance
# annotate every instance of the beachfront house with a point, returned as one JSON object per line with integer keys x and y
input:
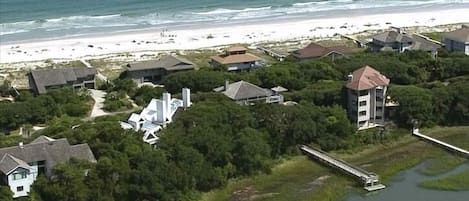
{"x": 154, "y": 70}
{"x": 236, "y": 59}
{"x": 245, "y": 93}
{"x": 157, "y": 114}
{"x": 20, "y": 165}
{"x": 315, "y": 51}
{"x": 42, "y": 80}
{"x": 457, "y": 40}
{"x": 366, "y": 97}
{"x": 395, "y": 40}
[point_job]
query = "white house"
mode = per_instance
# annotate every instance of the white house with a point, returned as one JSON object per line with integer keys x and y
{"x": 156, "y": 115}
{"x": 366, "y": 97}
{"x": 20, "y": 165}
{"x": 457, "y": 40}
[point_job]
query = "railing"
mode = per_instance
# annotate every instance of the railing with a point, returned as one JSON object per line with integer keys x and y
{"x": 370, "y": 180}
{"x": 445, "y": 145}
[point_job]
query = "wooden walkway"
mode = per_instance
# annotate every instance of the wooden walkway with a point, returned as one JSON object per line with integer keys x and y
{"x": 273, "y": 53}
{"x": 370, "y": 180}
{"x": 445, "y": 145}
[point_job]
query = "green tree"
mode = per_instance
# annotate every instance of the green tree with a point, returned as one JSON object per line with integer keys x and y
{"x": 415, "y": 103}
{"x": 6, "y": 194}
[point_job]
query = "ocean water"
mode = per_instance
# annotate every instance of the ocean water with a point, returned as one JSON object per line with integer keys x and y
{"x": 36, "y": 19}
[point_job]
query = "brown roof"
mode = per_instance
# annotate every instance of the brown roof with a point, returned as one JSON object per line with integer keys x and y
{"x": 236, "y": 49}
{"x": 367, "y": 78}
{"x": 235, "y": 58}
{"x": 460, "y": 35}
{"x": 314, "y": 50}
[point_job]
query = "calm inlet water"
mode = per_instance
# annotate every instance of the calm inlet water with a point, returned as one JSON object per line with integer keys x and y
{"x": 33, "y": 19}
{"x": 404, "y": 187}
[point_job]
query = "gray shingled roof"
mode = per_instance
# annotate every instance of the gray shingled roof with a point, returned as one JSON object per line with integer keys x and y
{"x": 53, "y": 152}
{"x": 42, "y": 139}
{"x": 244, "y": 90}
{"x": 55, "y": 77}
{"x": 460, "y": 35}
{"x": 9, "y": 163}
{"x": 392, "y": 36}
{"x": 423, "y": 44}
{"x": 169, "y": 63}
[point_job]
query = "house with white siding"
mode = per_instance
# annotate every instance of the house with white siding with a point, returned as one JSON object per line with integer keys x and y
{"x": 157, "y": 114}
{"x": 366, "y": 97}
{"x": 20, "y": 165}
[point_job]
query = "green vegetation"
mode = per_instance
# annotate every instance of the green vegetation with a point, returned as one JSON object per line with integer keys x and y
{"x": 216, "y": 142}
{"x": 144, "y": 94}
{"x": 455, "y": 182}
{"x": 36, "y": 110}
{"x": 290, "y": 178}
{"x": 441, "y": 164}
{"x": 116, "y": 101}
{"x": 117, "y": 97}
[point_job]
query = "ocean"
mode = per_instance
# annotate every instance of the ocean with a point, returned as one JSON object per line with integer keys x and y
{"x": 38, "y": 19}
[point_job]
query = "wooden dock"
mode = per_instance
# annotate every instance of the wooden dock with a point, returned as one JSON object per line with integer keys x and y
{"x": 369, "y": 179}
{"x": 445, "y": 145}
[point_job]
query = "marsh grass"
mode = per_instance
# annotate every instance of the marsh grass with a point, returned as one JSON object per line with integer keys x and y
{"x": 441, "y": 164}
{"x": 291, "y": 177}
{"x": 454, "y": 182}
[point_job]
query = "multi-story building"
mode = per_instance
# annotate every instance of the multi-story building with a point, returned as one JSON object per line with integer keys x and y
{"x": 366, "y": 97}
{"x": 20, "y": 165}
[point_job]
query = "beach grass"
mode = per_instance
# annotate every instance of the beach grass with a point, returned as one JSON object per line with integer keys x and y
{"x": 199, "y": 57}
{"x": 454, "y": 182}
{"x": 289, "y": 177}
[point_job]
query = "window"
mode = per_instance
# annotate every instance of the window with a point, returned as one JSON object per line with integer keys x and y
{"x": 379, "y": 117}
{"x": 19, "y": 188}
{"x": 361, "y": 123}
{"x": 379, "y": 98}
{"x": 362, "y": 103}
{"x": 362, "y": 113}
{"x": 19, "y": 175}
{"x": 363, "y": 92}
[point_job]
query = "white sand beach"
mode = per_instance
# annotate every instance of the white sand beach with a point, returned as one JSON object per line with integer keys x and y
{"x": 204, "y": 37}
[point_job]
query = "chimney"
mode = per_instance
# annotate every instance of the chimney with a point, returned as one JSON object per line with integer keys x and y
{"x": 227, "y": 83}
{"x": 161, "y": 113}
{"x": 349, "y": 77}
{"x": 21, "y": 145}
{"x": 186, "y": 97}
{"x": 167, "y": 102}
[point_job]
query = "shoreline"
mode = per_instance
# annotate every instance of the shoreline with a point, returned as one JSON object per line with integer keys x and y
{"x": 387, "y": 160}
{"x": 193, "y": 37}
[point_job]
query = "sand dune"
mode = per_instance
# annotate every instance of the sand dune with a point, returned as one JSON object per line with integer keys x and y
{"x": 203, "y": 37}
